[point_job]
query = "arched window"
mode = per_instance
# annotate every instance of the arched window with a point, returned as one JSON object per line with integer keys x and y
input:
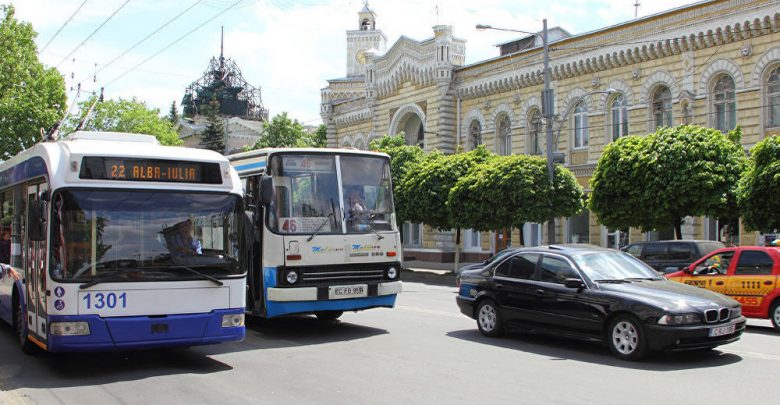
{"x": 504, "y": 136}
{"x": 580, "y": 127}
{"x": 773, "y": 98}
{"x": 475, "y": 135}
{"x": 662, "y": 107}
{"x": 724, "y": 104}
{"x": 421, "y": 137}
{"x": 535, "y": 133}
{"x": 619, "y": 109}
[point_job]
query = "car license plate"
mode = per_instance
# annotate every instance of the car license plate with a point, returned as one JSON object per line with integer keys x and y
{"x": 348, "y": 291}
{"x": 723, "y": 330}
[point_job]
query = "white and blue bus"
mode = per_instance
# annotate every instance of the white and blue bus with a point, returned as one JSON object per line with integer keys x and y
{"x": 326, "y": 239}
{"x": 119, "y": 243}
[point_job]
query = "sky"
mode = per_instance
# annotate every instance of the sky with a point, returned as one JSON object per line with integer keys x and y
{"x": 287, "y": 48}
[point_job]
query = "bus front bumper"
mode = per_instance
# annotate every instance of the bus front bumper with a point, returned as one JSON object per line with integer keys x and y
{"x": 308, "y": 300}
{"x": 146, "y": 332}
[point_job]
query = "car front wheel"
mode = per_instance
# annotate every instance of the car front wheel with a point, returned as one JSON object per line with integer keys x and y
{"x": 774, "y": 315}
{"x": 489, "y": 319}
{"x": 627, "y": 339}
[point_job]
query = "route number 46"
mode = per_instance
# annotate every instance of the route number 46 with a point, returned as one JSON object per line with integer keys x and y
{"x": 290, "y": 225}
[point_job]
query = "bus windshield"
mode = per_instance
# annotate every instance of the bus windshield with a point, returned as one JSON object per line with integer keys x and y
{"x": 144, "y": 235}
{"x": 308, "y": 199}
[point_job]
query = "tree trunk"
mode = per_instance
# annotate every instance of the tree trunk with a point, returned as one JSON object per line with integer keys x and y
{"x": 457, "y": 250}
{"x": 678, "y": 228}
{"x": 522, "y": 237}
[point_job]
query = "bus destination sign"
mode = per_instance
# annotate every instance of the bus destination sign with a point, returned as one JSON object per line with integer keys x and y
{"x": 134, "y": 169}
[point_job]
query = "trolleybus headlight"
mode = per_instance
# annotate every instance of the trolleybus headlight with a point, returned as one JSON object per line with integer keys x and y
{"x": 392, "y": 273}
{"x": 232, "y": 320}
{"x": 292, "y": 277}
{"x": 69, "y": 328}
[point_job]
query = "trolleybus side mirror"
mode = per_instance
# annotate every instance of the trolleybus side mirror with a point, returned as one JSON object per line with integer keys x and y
{"x": 36, "y": 218}
{"x": 266, "y": 190}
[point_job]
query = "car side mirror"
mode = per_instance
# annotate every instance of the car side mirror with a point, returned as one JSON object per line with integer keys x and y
{"x": 573, "y": 283}
{"x": 266, "y": 190}
{"x": 686, "y": 270}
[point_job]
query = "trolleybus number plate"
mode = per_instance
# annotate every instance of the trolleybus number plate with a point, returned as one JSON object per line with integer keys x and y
{"x": 348, "y": 291}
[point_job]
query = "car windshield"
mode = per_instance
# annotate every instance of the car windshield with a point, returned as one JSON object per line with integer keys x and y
{"x": 138, "y": 235}
{"x": 500, "y": 255}
{"x": 709, "y": 247}
{"x": 613, "y": 266}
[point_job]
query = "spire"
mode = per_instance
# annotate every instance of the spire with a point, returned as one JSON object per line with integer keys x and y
{"x": 222, "y": 49}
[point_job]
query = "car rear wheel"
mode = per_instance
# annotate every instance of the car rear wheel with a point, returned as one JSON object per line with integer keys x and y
{"x": 774, "y": 315}
{"x": 627, "y": 339}
{"x": 489, "y": 319}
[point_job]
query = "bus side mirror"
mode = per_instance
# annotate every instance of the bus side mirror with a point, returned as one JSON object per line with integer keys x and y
{"x": 266, "y": 190}
{"x": 37, "y": 221}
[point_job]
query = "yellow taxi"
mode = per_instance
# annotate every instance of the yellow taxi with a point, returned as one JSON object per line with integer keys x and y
{"x": 748, "y": 274}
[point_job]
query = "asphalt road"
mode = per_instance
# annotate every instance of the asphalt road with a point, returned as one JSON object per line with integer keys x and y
{"x": 421, "y": 352}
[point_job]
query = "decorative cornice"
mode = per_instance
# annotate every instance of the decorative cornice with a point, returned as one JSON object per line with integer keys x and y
{"x": 353, "y": 117}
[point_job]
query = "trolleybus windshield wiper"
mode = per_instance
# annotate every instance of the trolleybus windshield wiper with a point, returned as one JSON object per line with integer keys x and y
{"x": 193, "y": 271}
{"x": 112, "y": 276}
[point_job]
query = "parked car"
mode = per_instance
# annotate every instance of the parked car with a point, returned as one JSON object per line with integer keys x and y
{"x": 596, "y": 294}
{"x": 668, "y": 256}
{"x": 748, "y": 274}
{"x": 497, "y": 256}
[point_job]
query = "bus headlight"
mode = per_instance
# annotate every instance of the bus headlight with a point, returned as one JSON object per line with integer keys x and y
{"x": 292, "y": 277}
{"x": 392, "y": 273}
{"x": 232, "y": 320}
{"x": 69, "y": 328}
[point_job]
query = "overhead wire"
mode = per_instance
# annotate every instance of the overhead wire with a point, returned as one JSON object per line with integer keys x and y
{"x": 93, "y": 33}
{"x": 63, "y": 26}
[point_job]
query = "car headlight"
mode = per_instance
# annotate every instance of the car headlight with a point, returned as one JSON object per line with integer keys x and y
{"x": 292, "y": 277}
{"x": 69, "y": 328}
{"x": 736, "y": 312}
{"x": 232, "y": 320}
{"x": 392, "y": 273}
{"x": 679, "y": 319}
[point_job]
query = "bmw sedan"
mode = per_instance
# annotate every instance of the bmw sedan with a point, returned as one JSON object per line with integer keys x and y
{"x": 596, "y": 294}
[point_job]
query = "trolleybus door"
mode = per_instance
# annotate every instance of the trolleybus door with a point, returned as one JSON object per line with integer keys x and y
{"x": 36, "y": 265}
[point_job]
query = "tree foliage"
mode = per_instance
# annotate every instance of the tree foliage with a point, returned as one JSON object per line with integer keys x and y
{"x": 759, "y": 186}
{"x": 653, "y": 182}
{"x": 430, "y": 184}
{"x": 31, "y": 96}
{"x": 509, "y": 191}
{"x": 213, "y": 137}
{"x": 131, "y": 116}
{"x": 318, "y": 138}
{"x": 282, "y": 131}
{"x": 173, "y": 114}
{"x": 404, "y": 159}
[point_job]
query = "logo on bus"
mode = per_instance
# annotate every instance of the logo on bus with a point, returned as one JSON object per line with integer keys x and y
{"x": 59, "y": 292}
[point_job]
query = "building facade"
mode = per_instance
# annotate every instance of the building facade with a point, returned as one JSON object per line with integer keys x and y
{"x": 714, "y": 63}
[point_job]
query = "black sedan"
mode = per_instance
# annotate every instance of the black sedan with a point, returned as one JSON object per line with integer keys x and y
{"x": 596, "y": 294}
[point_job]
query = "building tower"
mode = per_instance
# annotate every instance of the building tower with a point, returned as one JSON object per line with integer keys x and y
{"x": 363, "y": 40}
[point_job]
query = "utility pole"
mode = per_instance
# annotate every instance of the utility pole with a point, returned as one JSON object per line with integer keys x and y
{"x": 548, "y": 110}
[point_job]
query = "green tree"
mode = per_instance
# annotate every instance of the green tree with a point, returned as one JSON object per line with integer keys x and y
{"x": 653, "y": 182}
{"x": 404, "y": 159}
{"x": 131, "y": 116}
{"x": 173, "y": 114}
{"x": 509, "y": 191}
{"x": 759, "y": 186}
{"x": 282, "y": 131}
{"x": 213, "y": 138}
{"x": 32, "y": 97}
{"x": 318, "y": 138}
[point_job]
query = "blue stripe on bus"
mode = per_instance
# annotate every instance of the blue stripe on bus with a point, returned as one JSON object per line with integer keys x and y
{"x": 307, "y": 307}
{"x": 28, "y": 169}
{"x": 255, "y": 165}
{"x": 140, "y": 332}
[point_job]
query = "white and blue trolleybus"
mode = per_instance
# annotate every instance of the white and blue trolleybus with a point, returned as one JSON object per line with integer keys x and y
{"x": 115, "y": 243}
{"x": 325, "y": 234}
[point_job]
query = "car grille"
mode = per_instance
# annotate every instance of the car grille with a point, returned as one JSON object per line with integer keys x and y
{"x": 717, "y": 315}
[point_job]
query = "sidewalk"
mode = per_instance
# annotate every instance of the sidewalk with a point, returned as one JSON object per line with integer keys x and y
{"x": 429, "y": 272}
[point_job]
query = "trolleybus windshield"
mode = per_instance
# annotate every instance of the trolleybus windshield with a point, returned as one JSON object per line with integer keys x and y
{"x": 144, "y": 235}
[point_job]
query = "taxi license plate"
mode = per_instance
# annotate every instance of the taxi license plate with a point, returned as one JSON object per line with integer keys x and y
{"x": 348, "y": 291}
{"x": 722, "y": 330}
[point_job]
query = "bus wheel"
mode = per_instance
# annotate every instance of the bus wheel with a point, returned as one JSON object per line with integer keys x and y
{"x": 329, "y": 316}
{"x": 20, "y": 324}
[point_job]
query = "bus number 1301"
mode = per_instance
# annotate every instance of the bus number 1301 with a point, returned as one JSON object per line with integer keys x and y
{"x": 109, "y": 300}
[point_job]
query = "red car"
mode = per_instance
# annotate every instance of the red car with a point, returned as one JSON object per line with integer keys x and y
{"x": 748, "y": 274}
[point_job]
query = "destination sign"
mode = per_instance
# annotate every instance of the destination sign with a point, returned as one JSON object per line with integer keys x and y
{"x": 134, "y": 169}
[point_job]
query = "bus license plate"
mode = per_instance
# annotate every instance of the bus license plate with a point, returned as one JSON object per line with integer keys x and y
{"x": 348, "y": 291}
{"x": 722, "y": 330}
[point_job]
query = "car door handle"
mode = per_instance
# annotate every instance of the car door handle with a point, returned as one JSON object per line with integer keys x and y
{"x": 499, "y": 287}
{"x": 540, "y": 292}
{"x": 718, "y": 283}
{"x": 768, "y": 282}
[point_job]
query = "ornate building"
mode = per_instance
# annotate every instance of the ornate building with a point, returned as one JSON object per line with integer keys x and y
{"x": 713, "y": 63}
